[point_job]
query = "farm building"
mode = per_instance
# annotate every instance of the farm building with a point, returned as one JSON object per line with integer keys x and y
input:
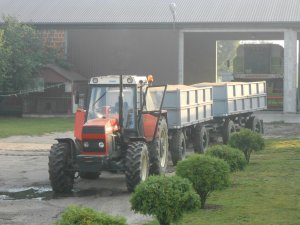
{"x": 173, "y": 39}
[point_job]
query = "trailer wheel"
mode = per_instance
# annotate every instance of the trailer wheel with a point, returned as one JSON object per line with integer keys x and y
{"x": 61, "y": 171}
{"x": 158, "y": 149}
{"x": 200, "y": 139}
{"x": 137, "y": 164}
{"x": 89, "y": 175}
{"x": 253, "y": 123}
{"x": 177, "y": 146}
{"x": 228, "y": 128}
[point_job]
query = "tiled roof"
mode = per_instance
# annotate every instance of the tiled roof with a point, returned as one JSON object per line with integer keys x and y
{"x": 67, "y": 74}
{"x": 151, "y": 11}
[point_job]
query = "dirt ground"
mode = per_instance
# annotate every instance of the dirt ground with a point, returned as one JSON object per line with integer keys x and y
{"x": 27, "y": 198}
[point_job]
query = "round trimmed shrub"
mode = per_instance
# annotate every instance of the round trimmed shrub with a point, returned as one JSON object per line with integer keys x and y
{"x": 233, "y": 156}
{"x": 166, "y": 198}
{"x": 206, "y": 174}
{"x": 74, "y": 215}
{"x": 247, "y": 141}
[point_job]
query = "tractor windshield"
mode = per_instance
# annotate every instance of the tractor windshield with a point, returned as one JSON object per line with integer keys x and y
{"x": 104, "y": 103}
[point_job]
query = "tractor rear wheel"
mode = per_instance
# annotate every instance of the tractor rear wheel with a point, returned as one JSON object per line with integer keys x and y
{"x": 200, "y": 139}
{"x": 177, "y": 146}
{"x": 89, "y": 175}
{"x": 137, "y": 164}
{"x": 158, "y": 149}
{"x": 61, "y": 171}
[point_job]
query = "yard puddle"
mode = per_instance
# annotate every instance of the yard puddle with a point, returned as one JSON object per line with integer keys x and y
{"x": 46, "y": 193}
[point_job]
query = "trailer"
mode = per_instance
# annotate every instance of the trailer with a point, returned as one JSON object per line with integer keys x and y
{"x": 233, "y": 106}
{"x": 188, "y": 110}
{"x": 204, "y": 112}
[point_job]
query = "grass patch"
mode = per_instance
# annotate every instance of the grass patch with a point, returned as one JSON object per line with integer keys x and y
{"x": 266, "y": 192}
{"x": 34, "y": 126}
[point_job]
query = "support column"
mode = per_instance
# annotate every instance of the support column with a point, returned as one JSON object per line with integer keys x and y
{"x": 181, "y": 58}
{"x": 298, "y": 92}
{"x": 290, "y": 72}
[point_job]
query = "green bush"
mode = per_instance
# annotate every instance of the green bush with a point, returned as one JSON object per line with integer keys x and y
{"x": 74, "y": 215}
{"x": 166, "y": 198}
{"x": 233, "y": 156}
{"x": 247, "y": 141}
{"x": 206, "y": 174}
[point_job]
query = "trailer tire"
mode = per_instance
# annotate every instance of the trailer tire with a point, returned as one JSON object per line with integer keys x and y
{"x": 89, "y": 175}
{"x": 254, "y": 124}
{"x": 61, "y": 171}
{"x": 177, "y": 146}
{"x": 200, "y": 139}
{"x": 228, "y": 128}
{"x": 158, "y": 149}
{"x": 137, "y": 164}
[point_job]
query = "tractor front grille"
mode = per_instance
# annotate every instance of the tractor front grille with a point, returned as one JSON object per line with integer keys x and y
{"x": 94, "y": 146}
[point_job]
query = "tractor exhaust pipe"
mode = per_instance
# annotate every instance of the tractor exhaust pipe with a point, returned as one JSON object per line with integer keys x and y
{"x": 121, "y": 104}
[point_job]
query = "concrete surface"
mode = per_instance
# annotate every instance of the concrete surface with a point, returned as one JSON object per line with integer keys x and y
{"x": 273, "y": 116}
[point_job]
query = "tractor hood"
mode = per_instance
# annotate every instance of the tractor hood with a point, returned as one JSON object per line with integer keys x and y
{"x": 110, "y": 125}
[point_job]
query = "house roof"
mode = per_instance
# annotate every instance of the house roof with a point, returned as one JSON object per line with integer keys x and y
{"x": 67, "y": 74}
{"x": 151, "y": 11}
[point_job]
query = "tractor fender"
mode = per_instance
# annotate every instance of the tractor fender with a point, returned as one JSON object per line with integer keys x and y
{"x": 73, "y": 147}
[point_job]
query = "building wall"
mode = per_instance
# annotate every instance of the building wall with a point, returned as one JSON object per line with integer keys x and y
{"x": 54, "y": 38}
{"x": 108, "y": 51}
{"x": 199, "y": 58}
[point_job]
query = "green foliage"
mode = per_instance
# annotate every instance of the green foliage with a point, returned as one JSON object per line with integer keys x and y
{"x": 266, "y": 192}
{"x": 74, "y": 215}
{"x": 34, "y": 126}
{"x": 226, "y": 51}
{"x": 167, "y": 198}
{"x": 234, "y": 157}
{"x": 4, "y": 57}
{"x": 23, "y": 55}
{"x": 247, "y": 141}
{"x": 206, "y": 174}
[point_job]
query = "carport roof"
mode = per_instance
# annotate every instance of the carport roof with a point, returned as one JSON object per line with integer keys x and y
{"x": 151, "y": 11}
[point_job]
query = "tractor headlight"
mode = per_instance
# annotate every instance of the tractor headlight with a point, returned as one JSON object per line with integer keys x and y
{"x": 86, "y": 144}
{"x": 101, "y": 144}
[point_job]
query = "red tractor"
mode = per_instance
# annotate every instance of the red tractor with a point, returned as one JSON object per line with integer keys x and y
{"x": 122, "y": 129}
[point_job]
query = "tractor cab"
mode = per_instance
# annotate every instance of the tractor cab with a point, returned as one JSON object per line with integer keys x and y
{"x": 118, "y": 101}
{"x": 104, "y": 103}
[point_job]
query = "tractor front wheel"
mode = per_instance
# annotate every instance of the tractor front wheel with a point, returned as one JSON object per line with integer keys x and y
{"x": 137, "y": 164}
{"x": 61, "y": 171}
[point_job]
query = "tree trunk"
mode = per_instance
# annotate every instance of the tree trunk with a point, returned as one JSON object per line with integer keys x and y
{"x": 203, "y": 197}
{"x": 164, "y": 222}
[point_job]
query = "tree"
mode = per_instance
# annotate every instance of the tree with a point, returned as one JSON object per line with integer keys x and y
{"x": 206, "y": 174}
{"x": 167, "y": 198}
{"x": 233, "y": 156}
{"x": 75, "y": 215}
{"x": 247, "y": 141}
{"x": 226, "y": 52}
{"x": 22, "y": 55}
{"x": 4, "y": 56}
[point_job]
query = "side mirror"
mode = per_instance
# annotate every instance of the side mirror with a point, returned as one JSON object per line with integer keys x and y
{"x": 77, "y": 97}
